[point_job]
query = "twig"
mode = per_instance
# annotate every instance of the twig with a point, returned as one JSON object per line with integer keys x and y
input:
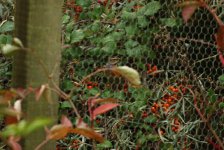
{"x": 196, "y": 41}
{"x": 206, "y": 6}
{"x": 206, "y": 121}
{"x": 41, "y": 144}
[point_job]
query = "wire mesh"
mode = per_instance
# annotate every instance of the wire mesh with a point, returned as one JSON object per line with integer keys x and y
{"x": 178, "y": 106}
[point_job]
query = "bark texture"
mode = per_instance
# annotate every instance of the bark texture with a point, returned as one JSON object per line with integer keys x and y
{"x": 38, "y": 26}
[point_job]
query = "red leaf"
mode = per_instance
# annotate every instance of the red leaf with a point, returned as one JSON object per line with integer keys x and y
{"x": 221, "y": 57}
{"x": 88, "y": 132}
{"x": 220, "y": 38}
{"x": 65, "y": 121}
{"x": 103, "y": 108}
{"x": 189, "y": 7}
{"x": 103, "y": 100}
{"x": 187, "y": 12}
{"x": 10, "y": 120}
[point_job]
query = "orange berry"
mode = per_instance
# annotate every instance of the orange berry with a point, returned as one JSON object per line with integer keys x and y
{"x": 153, "y": 109}
{"x": 144, "y": 114}
{"x": 166, "y": 105}
{"x": 89, "y": 87}
{"x": 169, "y": 101}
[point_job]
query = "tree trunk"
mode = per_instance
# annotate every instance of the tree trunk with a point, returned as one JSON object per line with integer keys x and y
{"x": 38, "y": 26}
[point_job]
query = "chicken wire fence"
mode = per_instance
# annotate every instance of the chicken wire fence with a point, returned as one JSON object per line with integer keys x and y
{"x": 180, "y": 102}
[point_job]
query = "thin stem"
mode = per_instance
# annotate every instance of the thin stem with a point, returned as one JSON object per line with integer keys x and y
{"x": 205, "y": 5}
{"x": 206, "y": 121}
{"x": 41, "y": 144}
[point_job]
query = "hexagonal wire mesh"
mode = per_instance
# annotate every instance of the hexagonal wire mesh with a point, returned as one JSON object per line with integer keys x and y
{"x": 178, "y": 103}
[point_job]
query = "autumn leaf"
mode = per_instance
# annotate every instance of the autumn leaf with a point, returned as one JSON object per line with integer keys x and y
{"x": 103, "y": 108}
{"x": 103, "y": 100}
{"x": 58, "y": 132}
{"x": 6, "y": 95}
{"x": 188, "y": 9}
{"x": 221, "y": 57}
{"x": 65, "y": 121}
{"x": 89, "y": 133}
{"x": 80, "y": 123}
{"x": 220, "y": 43}
{"x": 220, "y": 38}
{"x": 129, "y": 74}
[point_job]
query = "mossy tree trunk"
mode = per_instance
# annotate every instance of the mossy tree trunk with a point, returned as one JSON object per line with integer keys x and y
{"x": 38, "y": 26}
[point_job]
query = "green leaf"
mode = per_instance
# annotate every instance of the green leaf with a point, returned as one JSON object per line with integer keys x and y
{"x": 152, "y": 138}
{"x": 77, "y": 36}
{"x": 94, "y": 91}
{"x": 65, "y": 105}
{"x": 131, "y": 30}
{"x": 67, "y": 85}
{"x": 152, "y": 8}
{"x": 137, "y": 51}
{"x": 212, "y": 96}
{"x": 105, "y": 144}
{"x": 169, "y": 22}
{"x": 36, "y": 124}
{"x": 70, "y": 26}
{"x": 5, "y": 39}
{"x": 128, "y": 15}
{"x": 65, "y": 19}
{"x": 150, "y": 119}
{"x": 96, "y": 12}
{"x": 130, "y": 44}
{"x": 84, "y": 3}
{"x": 142, "y": 21}
{"x": 110, "y": 47}
{"x": 7, "y": 27}
{"x": 221, "y": 79}
{"x": 221, "y": 105}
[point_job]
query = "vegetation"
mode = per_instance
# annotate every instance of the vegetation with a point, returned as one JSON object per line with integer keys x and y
{"x": 128, "y": 77}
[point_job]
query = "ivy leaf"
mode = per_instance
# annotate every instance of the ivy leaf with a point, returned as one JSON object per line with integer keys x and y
{"x": 152, "y": 8}
{"x": 65, "y": 105}
{"x": 212, "y": 96}
{"x": 5, "y": 39}
{"x": 65, "y": 19}
{"x": 169, "y": 22}
{"x": 128, "y": 15}
{"x": 130, "y": 44}
{"x": 77, "y": 36}
{"x": 7, "y": 27}
{"x": 221, "y": 79}
{"x": 221, "y": 105}
{"x": 142, "y": 21}
{"x": 84, "y": 3}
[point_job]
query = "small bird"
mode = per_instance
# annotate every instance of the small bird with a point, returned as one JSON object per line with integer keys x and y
{"x": 112, "y": 62}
